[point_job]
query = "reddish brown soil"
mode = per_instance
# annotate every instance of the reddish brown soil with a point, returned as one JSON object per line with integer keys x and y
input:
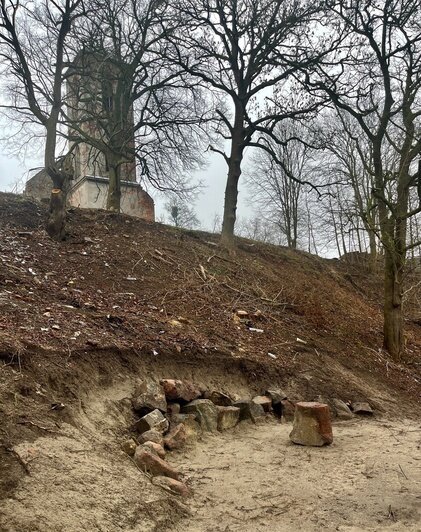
{"x": 107, "y": 297}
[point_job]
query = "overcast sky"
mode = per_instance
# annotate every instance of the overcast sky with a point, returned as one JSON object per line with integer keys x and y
{"x": 209, "y": 202}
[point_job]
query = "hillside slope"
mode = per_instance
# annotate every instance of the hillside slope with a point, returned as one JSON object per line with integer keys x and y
{"x": 122, "y": 296}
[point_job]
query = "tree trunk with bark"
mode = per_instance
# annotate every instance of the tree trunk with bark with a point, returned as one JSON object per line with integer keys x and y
{"x": 234, "y": 173}
{"x": 56, "y": 223}
{"x": 114, "y": 185}
{"x": 393, "y": 311}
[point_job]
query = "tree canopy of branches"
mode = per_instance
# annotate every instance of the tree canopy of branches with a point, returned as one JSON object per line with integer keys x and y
{"x": 278, "y": 197}
{"x": 140, "y": 106}
{"x": 247, "y": 51}
{"x": 375, "y": 79}
{"x": 34, "y": 50}
{"x": 181, "y": 212}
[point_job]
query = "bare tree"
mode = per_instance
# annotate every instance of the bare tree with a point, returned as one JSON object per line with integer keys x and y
{"x": 139, "y": 106}
{"x": 279, "y": 198}
{"x": 259, "y": 228}
{"x": 247, "y": 52}
{"x": 34, "y": 40}
{"x": 181, "y": 212}
{"x": 376, "y": 80}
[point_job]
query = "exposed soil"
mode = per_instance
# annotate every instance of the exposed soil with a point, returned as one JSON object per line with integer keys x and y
{"x": 253, "y": 478}
{"x": 123, "y": 299}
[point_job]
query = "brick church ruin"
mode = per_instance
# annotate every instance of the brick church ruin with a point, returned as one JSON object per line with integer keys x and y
{"x": 88, "y": 185}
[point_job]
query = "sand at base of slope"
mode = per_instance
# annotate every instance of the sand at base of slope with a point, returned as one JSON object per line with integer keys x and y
{"x": 254, "y": 479}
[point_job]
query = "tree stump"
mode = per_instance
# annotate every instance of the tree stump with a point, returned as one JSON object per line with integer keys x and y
{"x": 57, "y": 215}
{"x": 312, "y": 425}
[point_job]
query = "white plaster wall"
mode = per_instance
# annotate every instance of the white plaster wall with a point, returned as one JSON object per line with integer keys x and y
{"x": 93, "y": 195}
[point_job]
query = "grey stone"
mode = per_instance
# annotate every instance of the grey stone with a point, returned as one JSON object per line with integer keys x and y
{"x": 206, "y": 413}
{"x": 264, "y": 401}
{"x": 277, "y": 395}
{"x": 249, "y": 410}
{"x": 154, "y": 420}
{"x": 219, "y": 398}
{"x": 342, "y": 409}
{"x": 362, "y": 409}
{"x": 228, "y": 417}
{"x": 147, "y": 397}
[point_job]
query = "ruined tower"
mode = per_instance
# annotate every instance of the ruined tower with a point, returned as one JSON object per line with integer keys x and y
{"x": 98, "y": 121}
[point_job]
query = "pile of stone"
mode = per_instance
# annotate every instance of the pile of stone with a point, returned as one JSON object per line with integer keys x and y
{"x": 173, "y": 413}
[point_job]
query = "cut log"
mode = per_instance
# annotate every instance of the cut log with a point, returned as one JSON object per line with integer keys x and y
{"x": 312, "y": 425}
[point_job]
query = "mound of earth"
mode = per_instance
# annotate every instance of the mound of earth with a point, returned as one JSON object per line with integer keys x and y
{"x": 123, "y": 299}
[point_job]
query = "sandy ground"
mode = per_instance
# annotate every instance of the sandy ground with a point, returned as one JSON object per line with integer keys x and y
{"x": 254, "y": 479}
{"x": 244, "y": 480}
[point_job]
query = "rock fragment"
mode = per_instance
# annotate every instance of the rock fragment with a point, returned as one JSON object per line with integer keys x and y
{"x": 249, "y": 410}
{"x": 129, "y": 447}
{"x": 154, "y": 420}
{"x": 342, "y": 409}
{"x": 179, "y": 391}
{"x": 264, "y": 401}
{"x": 147, "y": 397}
{"x": 176, "y": 438}
{"x": 312, "y": 425}
{"x": 173, "y": 486}
{"x": 228, "y": 417}
{"x": 277, "y": 396}
{"x": 152, "y": 464}
{"x": 362, "y": 409}
{"x": 154, "y": 448}
{"x": 219, "y": 398}
{"x": 287, "y": 408}
{"x": 191, "y": 426}
{"x": 206, "y": 413}
{"x": 153, "y": 435}
{"x": 173, "y": 409}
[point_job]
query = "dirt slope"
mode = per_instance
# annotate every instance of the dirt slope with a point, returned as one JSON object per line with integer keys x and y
{"x": 123, "y": 298}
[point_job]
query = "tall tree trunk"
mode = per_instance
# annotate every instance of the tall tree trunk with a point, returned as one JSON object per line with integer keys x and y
{"x": 234, "y": 172}
{"x": 373, "y": 250}
{"x": 393, "y": 316}
{"x": 56, "y": 222}
{"x": 114, "y": 185}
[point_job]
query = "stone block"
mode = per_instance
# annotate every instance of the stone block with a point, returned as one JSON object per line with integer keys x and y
{"x": 249, "y": 410}
{"x": 179, "y": 391}
{"x": 312, "y": 424}
{"x": 206, "y": 413}
{"x": 264, "y": 401}
{"x": 154, "y": 420}
{"x": 228, "y": 417}
{"x": 147, "y": 397}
